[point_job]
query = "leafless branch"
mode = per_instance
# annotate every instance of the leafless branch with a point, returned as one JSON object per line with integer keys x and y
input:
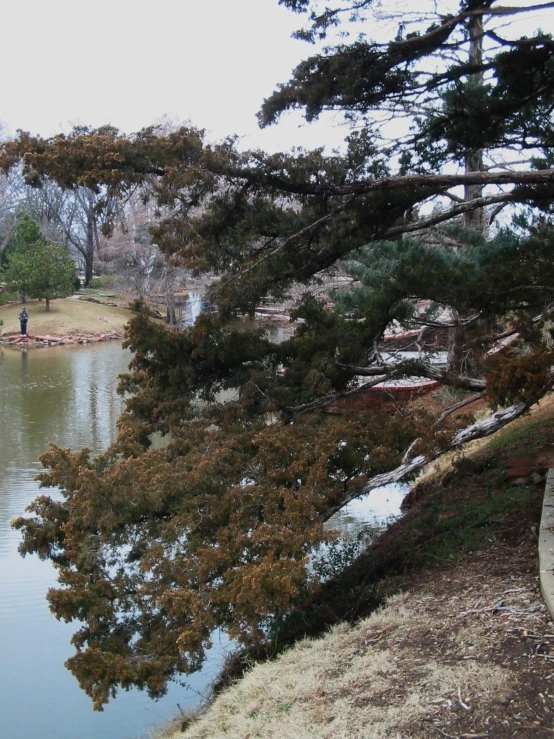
{"x": 478, "y": 430}
{"x": 457, "y": 406}
{"x": 422, "y": 370}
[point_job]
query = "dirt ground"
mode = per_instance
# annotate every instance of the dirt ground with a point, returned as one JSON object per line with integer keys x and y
{"x": 488, "y": 613}
{"x": 464, "y": 652}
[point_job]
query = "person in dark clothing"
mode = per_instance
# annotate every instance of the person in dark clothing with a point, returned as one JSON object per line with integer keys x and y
{"x": 23, "y": 318}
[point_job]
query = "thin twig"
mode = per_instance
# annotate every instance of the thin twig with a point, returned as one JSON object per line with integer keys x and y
{"x": 463, "y": 705}
{"x": 457, "y": 406}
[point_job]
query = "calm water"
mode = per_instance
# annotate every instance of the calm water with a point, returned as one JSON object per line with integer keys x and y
{"x": 374, "y": 511}
{"x": 66, "y": 395}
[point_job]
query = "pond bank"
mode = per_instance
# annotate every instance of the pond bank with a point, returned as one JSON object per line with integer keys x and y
{"x": 49, "y": 340}
{"x": 69, "y": 321}
{"x": 463, "y": 646}
{"x": 453, "y": 655}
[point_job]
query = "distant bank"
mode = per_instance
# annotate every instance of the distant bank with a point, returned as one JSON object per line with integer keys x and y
{"x": 69, "y": 321}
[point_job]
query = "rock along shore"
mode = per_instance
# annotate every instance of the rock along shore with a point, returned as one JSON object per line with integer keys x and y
{"x": 53, "y": 340}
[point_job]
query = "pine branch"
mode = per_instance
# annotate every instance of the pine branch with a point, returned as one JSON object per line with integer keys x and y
{"x": 422, "y": 370}
{"x": 436, "y": 182}
{"x": 438, "y": 324}
{"x": 478, "y": 430}
{"x": 464, "y": 207}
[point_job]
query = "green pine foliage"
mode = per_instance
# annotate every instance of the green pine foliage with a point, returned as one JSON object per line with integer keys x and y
{"x": 40, "y": 270}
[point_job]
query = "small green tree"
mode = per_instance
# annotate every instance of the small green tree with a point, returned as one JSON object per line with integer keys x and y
{"x": 42, "y": 270}
{"x": 27, "y": 233}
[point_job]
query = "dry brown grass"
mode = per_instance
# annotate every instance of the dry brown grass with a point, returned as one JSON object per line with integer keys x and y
{"x": 455, "y": 655}
{"x": 66, "y": 317}
{"x": 467, "y": 650}
{"x": 364, "y": 681}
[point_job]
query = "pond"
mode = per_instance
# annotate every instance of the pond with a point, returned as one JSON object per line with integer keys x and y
{"x": 67, "y": 395}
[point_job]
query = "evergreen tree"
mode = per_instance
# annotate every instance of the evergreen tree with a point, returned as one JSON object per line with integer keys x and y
{"x": 156, "y": 548}
{"x": 40, "y": 270}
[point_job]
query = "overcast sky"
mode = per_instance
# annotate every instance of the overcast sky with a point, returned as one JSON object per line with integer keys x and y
{"x": 128, "y": 63}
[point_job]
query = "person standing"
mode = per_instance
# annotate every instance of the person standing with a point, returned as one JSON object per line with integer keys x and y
{"x": 23, "y": 318}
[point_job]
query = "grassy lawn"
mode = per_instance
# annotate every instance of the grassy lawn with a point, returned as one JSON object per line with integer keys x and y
{"x": 66, "y": 317}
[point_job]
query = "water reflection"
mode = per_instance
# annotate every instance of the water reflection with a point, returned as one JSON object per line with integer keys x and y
{"x": 65, "y": 395}
{"x": 371, "y": 512}
{"x": 358, "y": 525}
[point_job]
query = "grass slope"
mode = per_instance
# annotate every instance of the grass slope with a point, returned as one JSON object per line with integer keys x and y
{"x": 463, "y": 645}
{"x": 66, "y": 317}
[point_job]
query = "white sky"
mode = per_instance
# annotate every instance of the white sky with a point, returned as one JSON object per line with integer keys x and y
{"x": 128, "y": 63}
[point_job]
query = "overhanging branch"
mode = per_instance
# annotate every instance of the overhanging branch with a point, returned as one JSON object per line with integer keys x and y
{"x": 421, "y": 370}
{"x": 456, "y": 210}
{"x": 479, "y": 430}
{"x": 436, "y": 182}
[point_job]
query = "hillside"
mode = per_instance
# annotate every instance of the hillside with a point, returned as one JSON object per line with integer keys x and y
{"x": 462, "y": 646}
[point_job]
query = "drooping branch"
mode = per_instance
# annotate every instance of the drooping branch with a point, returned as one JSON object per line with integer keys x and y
{"x": 478, "y": 430}
{"x": 435, "y": 182}
{"x": 420, "y": 370}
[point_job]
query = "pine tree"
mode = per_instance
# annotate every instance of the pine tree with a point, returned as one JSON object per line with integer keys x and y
{"x": 156, "y": 548}
{"x": 39, "y": 270}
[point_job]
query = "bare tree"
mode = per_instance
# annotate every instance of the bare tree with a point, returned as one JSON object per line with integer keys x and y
{"x": 75, "y": 218}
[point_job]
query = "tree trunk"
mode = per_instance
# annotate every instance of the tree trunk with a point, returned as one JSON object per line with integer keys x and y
{"x": 47, "y": 303}
{"x": 89, "y": 251}
{"x": 170, "y": 297}
{"x": 474, "y": 220}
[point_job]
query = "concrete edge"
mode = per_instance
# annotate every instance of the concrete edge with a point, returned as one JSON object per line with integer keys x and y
{"x": 546, "y": 544}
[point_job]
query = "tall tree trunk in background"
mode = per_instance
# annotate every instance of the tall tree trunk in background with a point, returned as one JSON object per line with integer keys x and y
{"x": 474, "y": 220}
{"x": 171, "y": 318}
{"x": 89, "y": 249}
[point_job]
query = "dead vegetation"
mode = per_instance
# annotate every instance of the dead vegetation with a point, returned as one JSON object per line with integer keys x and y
{"x": 463, "y": 646}
{"x": 463, "y": 653}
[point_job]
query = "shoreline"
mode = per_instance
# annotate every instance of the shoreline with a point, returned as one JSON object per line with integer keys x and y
{"x": 462, "y": 643}
{"x": 16, "y": 340}
{"x": 69, "y": 322}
